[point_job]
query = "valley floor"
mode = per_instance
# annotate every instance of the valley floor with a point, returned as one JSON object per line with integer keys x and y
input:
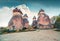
{"x": 41, "y": 35}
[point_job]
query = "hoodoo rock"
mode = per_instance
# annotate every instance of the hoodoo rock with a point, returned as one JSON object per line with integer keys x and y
{"x": 43, "y": 20}
{"x": 16, "y": 20}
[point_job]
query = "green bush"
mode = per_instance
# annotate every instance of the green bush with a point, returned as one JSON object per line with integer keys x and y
{"x": 2, "y": 30}
{"x": 57, "y": 23}
{"x": 5, "y": 30}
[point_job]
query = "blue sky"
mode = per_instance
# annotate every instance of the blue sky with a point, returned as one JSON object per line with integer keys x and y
{"x": 51, "y": 7}
{"x": 34, "y": 5}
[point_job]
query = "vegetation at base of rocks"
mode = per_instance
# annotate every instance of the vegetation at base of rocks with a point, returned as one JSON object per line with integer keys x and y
{"x": 4, "y": 30}
{"x": 57, "y": 23}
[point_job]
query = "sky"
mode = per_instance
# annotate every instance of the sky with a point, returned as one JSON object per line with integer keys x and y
{"x": 51, "y": 7}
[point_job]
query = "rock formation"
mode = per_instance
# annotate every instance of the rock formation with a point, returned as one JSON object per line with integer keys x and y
{"x": 43, "y": 20}
{"x": 34, "y": 23}
{"x": 16, "y": 20}
{"x": 25, "y": 21}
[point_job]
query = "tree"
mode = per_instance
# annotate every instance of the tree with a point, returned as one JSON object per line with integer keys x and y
{"x": 57, "y": 23}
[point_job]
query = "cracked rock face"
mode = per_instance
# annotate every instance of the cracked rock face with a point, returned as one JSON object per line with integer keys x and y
{"x": 43, "y": 19}
{"x": 16, "y": 21}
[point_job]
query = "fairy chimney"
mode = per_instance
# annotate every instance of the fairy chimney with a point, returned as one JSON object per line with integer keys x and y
{"x": 34, "y": 22}
{"x": 43, "y": 19}
{"x": 16, "y": 20}
{"x": 25, "y": 21}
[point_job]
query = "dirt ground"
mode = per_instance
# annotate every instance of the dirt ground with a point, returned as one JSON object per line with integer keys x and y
{"x": 41, "y": 35}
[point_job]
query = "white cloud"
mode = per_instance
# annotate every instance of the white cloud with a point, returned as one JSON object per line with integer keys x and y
{"x": 5, "y": 15}
{"x": 24, "y": 9}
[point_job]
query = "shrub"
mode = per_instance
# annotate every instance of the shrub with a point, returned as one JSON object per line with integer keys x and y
{"x": 57, "y": 23}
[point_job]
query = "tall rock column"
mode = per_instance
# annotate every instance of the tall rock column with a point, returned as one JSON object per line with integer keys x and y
{"x": 43, "y": 19}
{"x": 16, "y": 20}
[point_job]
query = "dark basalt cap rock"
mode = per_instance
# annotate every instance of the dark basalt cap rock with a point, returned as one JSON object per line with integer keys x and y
{"x": 25, "y": 15}
{"x": 34, "y": 17}
{"x": 17, "y": 10}
{"x": 20, "y": 11}
{"x": 41, "y": 10}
